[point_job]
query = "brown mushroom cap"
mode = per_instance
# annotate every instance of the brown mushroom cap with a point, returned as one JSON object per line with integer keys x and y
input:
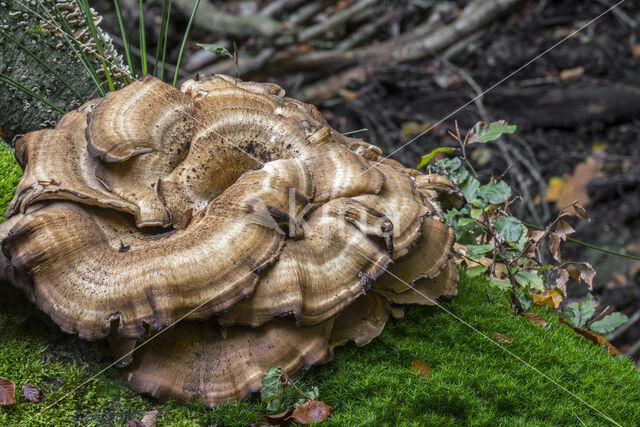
{"x": 319, "y": 275}
{"x": 82, "y": 278}
{"x": 362, "y": 321}
{"x": 440, "y": 188}
{"x": 202, "y": 360}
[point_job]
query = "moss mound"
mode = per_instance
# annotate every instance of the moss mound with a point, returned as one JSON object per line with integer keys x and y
{"x": 474, "y": 382}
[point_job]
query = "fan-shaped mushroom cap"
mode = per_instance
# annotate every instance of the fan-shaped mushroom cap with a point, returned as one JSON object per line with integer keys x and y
{"x": 82, "y": 278}
{"x": 438, "y": 187}
{"x": 402, "y": 204}
{"x": 362, "y": 321}
{"x": 5, "y": 272}
{"x": 320, "y": 275}
{"x": 202, "y": 360}
{"x": 57, "y": 165}
{"x": 427, "y": 259}
{"x": 426, "y": 291}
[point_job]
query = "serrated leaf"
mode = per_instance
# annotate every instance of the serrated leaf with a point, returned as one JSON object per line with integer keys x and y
{"x": 509, "y": 228}
{"x": 490, "y": 132}
{"x": 272, "y": 389}
{"x": 526, "y": 278}
{"x": 608, "y": 323}
{"x": 424, "y": 160}
{"x": 215, "y": 48}
{"x": 495, "y": 193}
{"x": 579, "y": 313}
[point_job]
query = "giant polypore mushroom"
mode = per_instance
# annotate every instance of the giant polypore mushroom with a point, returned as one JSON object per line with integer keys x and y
{"x": 227, "y": 224}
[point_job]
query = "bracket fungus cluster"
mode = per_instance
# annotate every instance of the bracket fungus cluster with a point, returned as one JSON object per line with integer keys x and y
{"x": 226, "y": 224}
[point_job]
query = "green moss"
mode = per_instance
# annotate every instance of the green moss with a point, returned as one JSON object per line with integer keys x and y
{"x": 10, "y": 174}
{"x": 474, "y": 382}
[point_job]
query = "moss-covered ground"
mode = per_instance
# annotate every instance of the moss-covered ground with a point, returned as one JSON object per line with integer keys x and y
{"x": 473, "y": 382}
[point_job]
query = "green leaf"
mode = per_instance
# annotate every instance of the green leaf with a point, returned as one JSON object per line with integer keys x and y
{"x": 477, "y": 270}
{"x": 450, "y": 215}
{"x": 216, "y": 48}
{"x": 525, "y": 278}
{"x": 579, "y": 313}
{"x": 470, "y": 188}
{"x": 608, "y": 323}
{"x": 272, "y": 389}
{"x": 509, "y": 228}
{"x": 476, "y": 212}
{"x": 525, "y": 299}
{"x": 490, "y": 132}
{"x": 495, "y": 193}
{"x": 424, "y": 160}
{"x": 476, "y": 251}
{"x": 503, "y": 284}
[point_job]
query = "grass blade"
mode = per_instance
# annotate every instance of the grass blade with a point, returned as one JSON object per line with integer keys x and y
{"x": 46, "y": 66}
{"x": 86, "y": 11}
{"x": 12, "y": 82}
{"x": 164, "y": 42}
{"x": 165, "y": 11}
{"x": 71, "y": 41}
{"x": 184, "y": 42}
{"x": 125, "y": 39}
{"x": 143, "y": 41}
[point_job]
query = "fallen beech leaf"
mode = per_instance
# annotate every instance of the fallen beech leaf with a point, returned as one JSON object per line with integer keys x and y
{"x": 281, "y": 419}
{"x": 420, "y": 368}
{"x": 571, "y": 73}
{"x": 312, "y": 411}
{"x": 31, "y": 393}
{"x": 503, "y": 338}
{"x": 534, "y": 318}
{"x": 564, "y": 230}
{"x": 587, "y": 273}
{"x": 562, "y": 277}
{"x": 550, "y": 298}
{"x": 554, "y": 247}
{"x": 7, "y": 392}
{"x": 594, "y": 338}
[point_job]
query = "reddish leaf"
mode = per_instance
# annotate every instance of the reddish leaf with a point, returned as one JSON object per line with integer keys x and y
{"x": 31, "y": 393}
{"x": 562, "y": 277}
{"x": 594, "y": 338}
{"x": 420, "y": 368}
{"x": 503, "y": 338}
{"x": 587, "y": 273}
{"x": 312, "y": 411}
{"x": 534, "y": 318}
{"x": 7, "y": 392}
{"x": 282, "y": 419}
{"x": 564, "y": 230}
{"x": 554, "y": 247}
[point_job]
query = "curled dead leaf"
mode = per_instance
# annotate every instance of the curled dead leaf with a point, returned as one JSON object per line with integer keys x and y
{"x": 31, "y": 393}
{"x": 564, "y": 230}
{"x": 312, "y": 411}
{"x": 554, "y": 247}
{"x": 281, "y": 419}
{"x": 587, "y": 273}
{"x": 535, "y": 318}
{"x": 581, "y": 212}
{"x": 562, "y": 277}
{"x": 574, "y": 273}
{"x": 420, "y": 368}
{"x": 550, "y": 298}
{"x": 7, "y": 392}
{"x": 594, "y": 338}
{"x": 503, "y": 338}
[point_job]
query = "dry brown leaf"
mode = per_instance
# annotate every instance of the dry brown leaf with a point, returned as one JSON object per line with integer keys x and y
{"x": 571, "y": 73}
{"x": 562, "y": 277}
{"x": 420, "y": 368}
{"x": 581, "y": 212}
{"x": 554, "y": 247}
{"x": 312, "y": 411}
{"x": 7, "y": 392}
{"x": 574, "y": 273}
{"x": 535, "y": 318}
{"x": 148, "y": 420}
{"x": 564, "y": 230}
{"x": 587, "y": 273}
{"x": 348, "y": 94}
{"x": 564, "y": 191}
{"x": 551, "y": 298}
{"x": 282, "y": 419}
{"x": 31, "y": 393}
{"x": 503, "y": 338}
{"x": 594, "y": 338}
